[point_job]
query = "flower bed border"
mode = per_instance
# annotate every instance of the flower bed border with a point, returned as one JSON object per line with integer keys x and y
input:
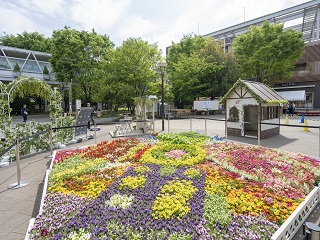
{"x": 292, "y": 225}
{"x": 44, "y": 193}
{"x": 285, "y": 232}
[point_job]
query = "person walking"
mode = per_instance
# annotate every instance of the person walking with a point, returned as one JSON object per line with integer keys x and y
{"x": 284, "y": 109}
{"x": 24, "y": 113}
{"x": 91, "y": 114}
{"x": 293, "y": 108}
{"x": 290, "y": 109}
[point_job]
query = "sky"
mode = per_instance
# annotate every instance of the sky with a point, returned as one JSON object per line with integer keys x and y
{"x": 155, "y": 21}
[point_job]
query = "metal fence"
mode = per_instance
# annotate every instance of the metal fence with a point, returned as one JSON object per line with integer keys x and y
{"x": 293, "y": 137}
{"x": 17, "y": 144}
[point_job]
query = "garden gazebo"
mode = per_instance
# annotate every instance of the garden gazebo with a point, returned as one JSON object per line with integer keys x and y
{"x": 252, "y": 110}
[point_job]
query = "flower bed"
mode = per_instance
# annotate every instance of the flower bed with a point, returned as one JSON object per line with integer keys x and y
{"x": 175, "y": 186}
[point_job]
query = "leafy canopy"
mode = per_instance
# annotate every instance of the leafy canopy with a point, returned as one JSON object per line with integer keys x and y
{"x": 199, "y": 67}
{"x": 32, "y": 41}
{"x": 78, "y": 56}
{"x": 131, "y": 70}
{"x": 268, "y": 53}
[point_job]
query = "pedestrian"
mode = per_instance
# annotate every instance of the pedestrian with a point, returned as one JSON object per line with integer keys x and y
{"x": 293, "y": 108}
{"x": 290, "y": 109}
{"x": 99, "y": 113}
{"x": 284, "y": 109}
{"x": 91, "y": 114}
{"x": 24, "y": 113}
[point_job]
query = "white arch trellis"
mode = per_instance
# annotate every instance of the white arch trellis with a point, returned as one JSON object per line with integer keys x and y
{"x": 12, "y": 89}
{"x": 26, "y": 86}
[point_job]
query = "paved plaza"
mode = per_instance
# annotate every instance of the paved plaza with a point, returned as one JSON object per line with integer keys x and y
{"x": 18, "y": 206}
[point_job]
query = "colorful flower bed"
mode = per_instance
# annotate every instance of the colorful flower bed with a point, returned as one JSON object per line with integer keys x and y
{"x": 175, "y": 186}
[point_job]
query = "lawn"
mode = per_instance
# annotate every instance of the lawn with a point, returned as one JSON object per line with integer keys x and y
{"x": 173, "y": 186}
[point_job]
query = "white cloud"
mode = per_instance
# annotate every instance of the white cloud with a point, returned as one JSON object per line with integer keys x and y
{"x": 50, "y": 8}
{"x": 189, "y": 19}
{"x": 161, "y": 21}
{"x": 14, "y": 19}
{"x": 136, "y": 26}
{"x": 98, "y": 14}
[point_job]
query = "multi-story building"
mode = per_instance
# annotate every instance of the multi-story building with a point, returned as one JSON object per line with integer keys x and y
{"x": 304, "y": 87}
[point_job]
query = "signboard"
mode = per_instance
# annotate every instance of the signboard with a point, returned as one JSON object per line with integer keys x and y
{"x": 83, "y": 118}
{"x": 206, "y": 105}
{"x": 299, "y": 95}
{"x": 78, "y": 104}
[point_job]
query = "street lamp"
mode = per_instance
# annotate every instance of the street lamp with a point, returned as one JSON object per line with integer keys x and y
{"x": 70, "y": 96}
{"x": 162, "y": 67}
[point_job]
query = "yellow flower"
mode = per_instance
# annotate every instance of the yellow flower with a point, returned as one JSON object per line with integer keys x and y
{"x": 172, "y": 200}
{"x": 132, "y": 182}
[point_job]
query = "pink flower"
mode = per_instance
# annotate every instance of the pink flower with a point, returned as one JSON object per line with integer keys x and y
{"x": 175, "y": 154}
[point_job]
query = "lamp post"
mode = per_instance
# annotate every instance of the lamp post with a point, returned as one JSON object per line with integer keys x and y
{"x": 70, "y": 96}
{"x": 162, "y": 67}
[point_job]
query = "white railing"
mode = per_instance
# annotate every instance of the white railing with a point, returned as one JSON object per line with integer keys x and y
{"x": 291, "y": 226}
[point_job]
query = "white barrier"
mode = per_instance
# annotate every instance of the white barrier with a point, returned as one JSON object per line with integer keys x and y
{"x": 31, "y": 223}
{"x": 291, "y": 226}
{"x": 44, "y": 193}
{"x": 53, "y": 157}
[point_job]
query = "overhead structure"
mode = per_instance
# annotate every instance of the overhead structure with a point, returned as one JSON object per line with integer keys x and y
{"x": 15, "y": 62}
{"x": 299, "y": 95}
{"x": 304, "y": 18}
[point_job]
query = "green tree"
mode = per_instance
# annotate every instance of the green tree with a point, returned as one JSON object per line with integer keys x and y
{"x": 268, "y": 53}
{"x": 79, "y": 57}
{"x": 187, "y": 45}
{"x": 183, "y": 68}
{"x": 155, "y": 88}
{"x": 31, "y": 41}
{"x": 198, "y": 67}
{"x": 220, "y": 70}
{"x": 131, "y": 70}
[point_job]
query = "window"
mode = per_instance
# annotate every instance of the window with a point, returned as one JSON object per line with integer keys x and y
{"x": 233, "y": 114}
{"x": 269, "y": 112}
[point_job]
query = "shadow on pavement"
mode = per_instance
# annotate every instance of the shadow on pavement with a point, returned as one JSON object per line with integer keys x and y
{"x": 271, "y": 142}
{"x": 38, "y": 196}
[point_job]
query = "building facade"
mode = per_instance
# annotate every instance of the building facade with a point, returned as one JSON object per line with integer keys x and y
{"x": 15, "y": 62}
{"x": 304, "y": 87}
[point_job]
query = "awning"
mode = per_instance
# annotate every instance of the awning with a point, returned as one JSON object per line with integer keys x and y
{"x": 293, "y": 95}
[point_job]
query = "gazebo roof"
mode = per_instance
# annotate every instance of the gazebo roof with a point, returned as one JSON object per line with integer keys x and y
{"x": 258, "y": 90}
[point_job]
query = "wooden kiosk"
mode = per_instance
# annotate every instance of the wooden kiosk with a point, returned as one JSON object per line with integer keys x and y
{"x": 252, "y": 110}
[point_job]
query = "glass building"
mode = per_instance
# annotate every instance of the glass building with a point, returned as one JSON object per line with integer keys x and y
{"x": 31, "y": 64}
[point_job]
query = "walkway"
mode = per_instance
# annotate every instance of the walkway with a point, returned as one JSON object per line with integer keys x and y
{"x": 18, "y": 206}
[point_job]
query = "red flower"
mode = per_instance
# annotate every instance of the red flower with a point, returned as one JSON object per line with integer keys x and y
{"x": 44, "y": 232}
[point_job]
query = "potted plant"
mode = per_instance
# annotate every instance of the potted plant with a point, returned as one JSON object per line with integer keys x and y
{"x": 45, "y": 72}
{"x": 16, "y": 70}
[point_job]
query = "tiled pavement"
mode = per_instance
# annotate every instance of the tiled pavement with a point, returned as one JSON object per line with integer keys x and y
{"x": 18, "y": 206}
